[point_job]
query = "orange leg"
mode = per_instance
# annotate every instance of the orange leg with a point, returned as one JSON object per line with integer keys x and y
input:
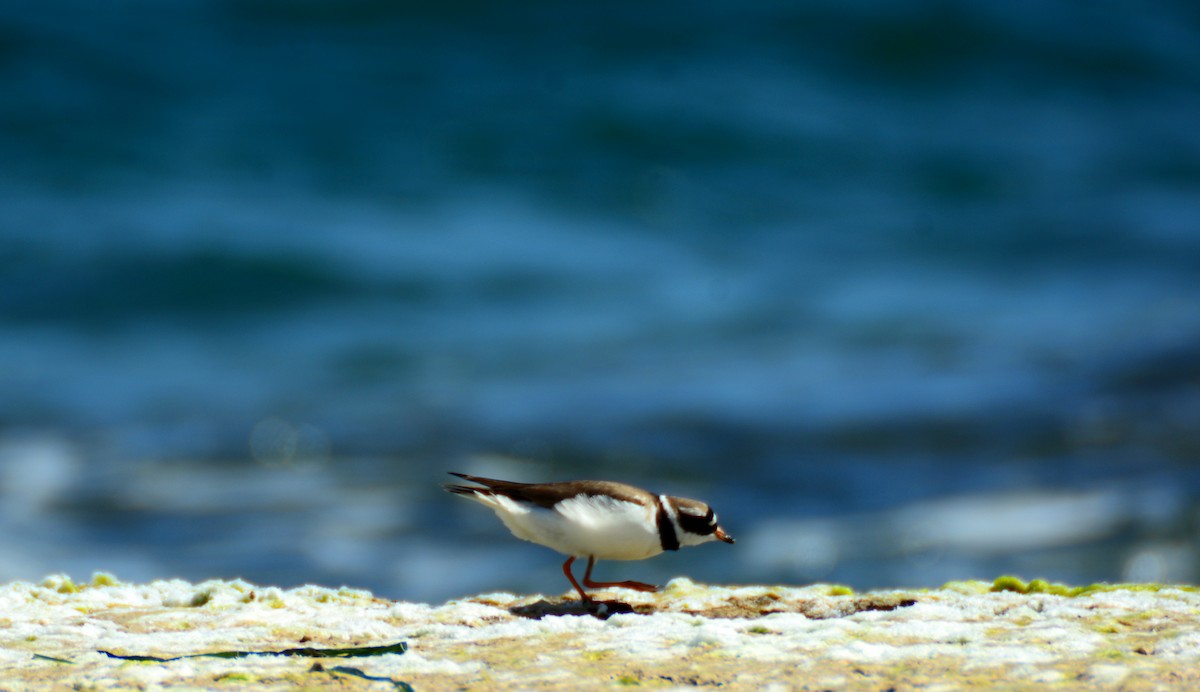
{"x": 571, "y": 578}
{"x": 587, "y": 581}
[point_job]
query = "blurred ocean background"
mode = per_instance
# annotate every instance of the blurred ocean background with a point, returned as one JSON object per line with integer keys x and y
{"x": 909, "y": 291}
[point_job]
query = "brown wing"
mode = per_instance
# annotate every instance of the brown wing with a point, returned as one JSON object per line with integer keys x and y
{"x": 546, "y": 495}
{"x": 491, "y": 486}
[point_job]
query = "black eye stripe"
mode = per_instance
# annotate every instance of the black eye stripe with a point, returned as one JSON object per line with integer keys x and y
{"x": 701, "y": 526}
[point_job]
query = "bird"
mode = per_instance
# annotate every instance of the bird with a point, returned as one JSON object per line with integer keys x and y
{"x": 600, "y": 520}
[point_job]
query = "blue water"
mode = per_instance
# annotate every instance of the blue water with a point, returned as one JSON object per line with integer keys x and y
{"x": 909, "y": 291}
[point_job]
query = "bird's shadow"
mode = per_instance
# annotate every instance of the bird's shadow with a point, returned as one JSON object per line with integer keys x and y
{"x": 597, "y": 609}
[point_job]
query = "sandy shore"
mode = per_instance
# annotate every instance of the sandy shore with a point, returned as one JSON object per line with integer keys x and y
{"x": 62, "y": 635}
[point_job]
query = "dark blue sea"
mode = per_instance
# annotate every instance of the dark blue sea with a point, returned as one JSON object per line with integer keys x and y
{"x": 909, "y": 291}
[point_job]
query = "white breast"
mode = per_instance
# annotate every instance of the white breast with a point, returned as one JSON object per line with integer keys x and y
{"x": 587, "y": 525}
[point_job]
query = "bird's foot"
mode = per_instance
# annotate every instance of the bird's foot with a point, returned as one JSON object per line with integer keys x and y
{"x": 632, "y": 585}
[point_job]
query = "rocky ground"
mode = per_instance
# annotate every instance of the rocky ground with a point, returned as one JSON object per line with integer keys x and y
{"x": 232, "y": 634}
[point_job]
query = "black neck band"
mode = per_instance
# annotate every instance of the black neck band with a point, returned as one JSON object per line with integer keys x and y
{"x": 666, "y": 530}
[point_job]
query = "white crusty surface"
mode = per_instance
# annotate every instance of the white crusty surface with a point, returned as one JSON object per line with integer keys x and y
{"x": 743, "y": 637}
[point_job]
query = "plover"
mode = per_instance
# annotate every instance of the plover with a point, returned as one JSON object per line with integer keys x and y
{"x": 601, "y": 520}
